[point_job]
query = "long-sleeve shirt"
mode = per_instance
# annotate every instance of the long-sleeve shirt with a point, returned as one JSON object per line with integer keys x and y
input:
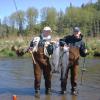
{"x": 74, "y": 41}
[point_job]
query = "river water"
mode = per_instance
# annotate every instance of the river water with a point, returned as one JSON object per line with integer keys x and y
{"x": 17, "y": 78}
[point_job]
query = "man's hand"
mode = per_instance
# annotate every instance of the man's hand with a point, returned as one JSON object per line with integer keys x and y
{"x": 30, "y": 50}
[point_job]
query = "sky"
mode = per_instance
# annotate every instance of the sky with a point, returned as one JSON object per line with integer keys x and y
{"x": 7, "y": 7}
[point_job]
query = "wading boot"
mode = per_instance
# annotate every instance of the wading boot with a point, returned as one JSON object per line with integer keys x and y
{"x": 74, "y": 91}
{"x": 48, "y": 91}
{"x": 37, "y": 93}
{"x": 63, "y": 91}
{"x": 63, "y": 88}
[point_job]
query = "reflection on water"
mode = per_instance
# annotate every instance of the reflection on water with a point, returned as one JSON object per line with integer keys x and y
{"x": 92, "y": 76}
{"x": 47, "y": 97}
{"x": 74, "y": 97}
{"x": 16, "y": 77}
{"x": 61, "y": 97}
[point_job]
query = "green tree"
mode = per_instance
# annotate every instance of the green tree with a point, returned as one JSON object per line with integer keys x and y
{"x": 31, "y": 15}
{"x": 6, "y": 29}
{"x": 60, "y": 22}
{"x": 12, "y": 22}
{"x": 49, "y": 17}
{"x": 20, "y": 20}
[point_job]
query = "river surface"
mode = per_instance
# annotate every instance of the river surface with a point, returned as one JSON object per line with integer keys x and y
{"x": 17, "y": 78}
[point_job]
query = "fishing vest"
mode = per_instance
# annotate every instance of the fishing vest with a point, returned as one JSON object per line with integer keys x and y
{"x": 43, "y": 43}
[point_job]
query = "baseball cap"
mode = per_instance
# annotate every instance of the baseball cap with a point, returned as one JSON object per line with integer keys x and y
{"x": 76, "y": 29}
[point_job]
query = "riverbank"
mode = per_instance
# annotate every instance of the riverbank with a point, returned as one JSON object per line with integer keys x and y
{"x": 93, "y": 45}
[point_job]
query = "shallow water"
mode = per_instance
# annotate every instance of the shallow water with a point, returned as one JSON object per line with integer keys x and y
{"x": 16, "y": 77}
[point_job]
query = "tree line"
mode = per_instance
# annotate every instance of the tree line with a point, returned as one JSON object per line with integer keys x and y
{"x": 31, "y": 21}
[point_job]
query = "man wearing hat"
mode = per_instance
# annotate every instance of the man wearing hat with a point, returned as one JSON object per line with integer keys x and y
{"x": 41, "y": 62}
{"x": 74, "y": 40}
{"x": 46, "y": 34}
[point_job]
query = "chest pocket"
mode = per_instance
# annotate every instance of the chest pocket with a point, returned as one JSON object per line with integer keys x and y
{"x": 50, "y": 49}
{"x": 41, "y": 43}
{"x": 77, "y": 44}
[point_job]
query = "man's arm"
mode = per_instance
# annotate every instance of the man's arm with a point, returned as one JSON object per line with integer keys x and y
{"x": 83, "y": 49}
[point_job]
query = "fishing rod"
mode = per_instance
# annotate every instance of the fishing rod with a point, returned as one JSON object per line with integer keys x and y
{"x": 83, "y": 70}
{"x": 20, "y": 23}
{"x": 16, "y": 8}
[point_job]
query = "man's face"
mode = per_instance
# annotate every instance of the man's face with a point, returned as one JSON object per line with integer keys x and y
{"x": 46, "y": 33}
{"x": 77, "y": 34}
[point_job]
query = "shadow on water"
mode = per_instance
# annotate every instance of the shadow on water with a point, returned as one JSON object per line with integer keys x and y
{"x": 16, "y": 77}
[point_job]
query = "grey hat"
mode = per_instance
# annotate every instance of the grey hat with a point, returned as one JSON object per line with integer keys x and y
{"x": 76, "y": 29}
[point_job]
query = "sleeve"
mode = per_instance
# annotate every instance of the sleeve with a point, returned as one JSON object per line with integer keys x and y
{"x": 65, "y": 40}
{"x": 29, "y": 47}
{"x": 83, "y": 45}
{"x": 31, "y": 44}
{"x": 83, "y": 49}
{"x": 68, "y": 39}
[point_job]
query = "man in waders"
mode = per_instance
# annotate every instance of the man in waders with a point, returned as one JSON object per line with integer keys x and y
{"x": 74, "y": 40}
{"x": 41, "y": 62}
